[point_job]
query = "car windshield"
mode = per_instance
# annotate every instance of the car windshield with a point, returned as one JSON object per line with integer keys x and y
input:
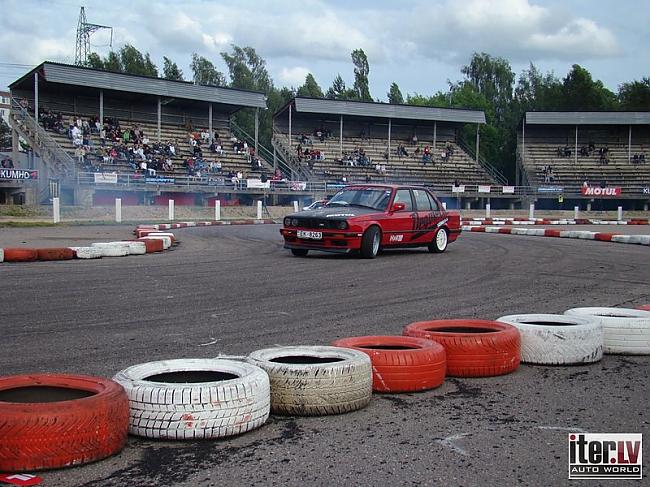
{"x": 375, "y": 198}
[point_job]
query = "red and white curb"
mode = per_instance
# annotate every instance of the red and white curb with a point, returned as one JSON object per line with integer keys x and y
{"x": 545, "y": 221}
{"x": 580, "y": 234}
{"x": 172, "y": 226}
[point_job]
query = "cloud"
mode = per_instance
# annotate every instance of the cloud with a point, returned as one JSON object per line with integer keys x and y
{"x": 293, "y": 76}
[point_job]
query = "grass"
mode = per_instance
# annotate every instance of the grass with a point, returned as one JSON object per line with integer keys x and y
{"x": 20, "y": 211}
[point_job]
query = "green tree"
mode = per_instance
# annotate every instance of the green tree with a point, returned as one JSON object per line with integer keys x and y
{"x": 310, "y": 88}
{"x": 581, "y": 92}
{"x": 247, "y": 69}
{"x": 492, "y": 77}
{"x": 395, "y": 95}
{"x": 535, "y": 91}
{"x": 205, "y": 73}
{"x": 5, "y": 134}
{"x": 171, "y": 70}
{"x": 95, "y": 61}
{"x": 635, "y": 95}
{"x": 338, "y": 91}
{"x": 133, "y": 61}
{"x": 361, "y": 71}
{"x": 113, "y": 63}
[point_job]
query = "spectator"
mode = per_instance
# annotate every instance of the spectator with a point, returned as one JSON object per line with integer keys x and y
{"x": 7, "y": 163}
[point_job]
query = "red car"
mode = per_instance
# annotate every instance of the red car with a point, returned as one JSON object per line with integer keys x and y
{"x": 370, "y": 217}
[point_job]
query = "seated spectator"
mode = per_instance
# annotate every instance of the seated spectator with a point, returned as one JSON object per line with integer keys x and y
{"x": 584, "y": 151}
{"x": 168, "y": 166}
{"x": 401, "y": 151}
{"x": 635, "y": 159}
{"x": 7, "y": 163}
{"x": 414, "y": 139}
{"x": 642, "y": 158}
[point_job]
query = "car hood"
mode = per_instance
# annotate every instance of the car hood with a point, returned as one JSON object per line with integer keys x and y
{"x": 335, "y": 212}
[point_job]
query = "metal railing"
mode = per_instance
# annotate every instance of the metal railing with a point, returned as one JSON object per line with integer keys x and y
{"x": 489, "y": 168}
{"x": 60, "y": 162}
{"x": 282, "y": 145}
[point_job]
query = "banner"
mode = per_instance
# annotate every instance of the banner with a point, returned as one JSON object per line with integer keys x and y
{"x": 298, "y": 186}
{"x": 483, "y": 189}
{"x": 597, "y": 191}
{"x": 105, "y": 178}
{"x": 550, "y": 189}
{"x": 257, "y": 184}
{"x": 508, "y": 190}
{"x": 458, "y": 189}
{"x": 159, "y": 180}
{"x": 18, "y": 174}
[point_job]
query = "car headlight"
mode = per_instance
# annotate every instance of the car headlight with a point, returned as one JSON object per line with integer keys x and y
{"x": 342, "y": 225}
{"x": 294, "y": 222}
{"x": 287, "y": 222}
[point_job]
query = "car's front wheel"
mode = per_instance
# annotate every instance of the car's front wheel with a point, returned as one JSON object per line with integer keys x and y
{"x": 439, "y": 243}
{"x": 299, "y": 252}
{"x": 370, "y": 243}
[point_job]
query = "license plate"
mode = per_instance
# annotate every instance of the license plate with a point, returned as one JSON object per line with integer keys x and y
{"x": 311, "y": 235}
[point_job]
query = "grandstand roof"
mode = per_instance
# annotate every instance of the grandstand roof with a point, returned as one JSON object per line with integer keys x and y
{"x": 94, "y": 78}
{"x": 384, "y": 110}
{"x": 588, "y": 118}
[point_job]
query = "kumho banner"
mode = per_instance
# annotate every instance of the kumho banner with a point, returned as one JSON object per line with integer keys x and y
{"x": 18, "y": 174}
{"x": 597, "y": 191}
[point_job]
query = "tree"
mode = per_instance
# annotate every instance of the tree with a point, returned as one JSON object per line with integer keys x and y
{"x": 361, "y": 71}
{"x": 492, "y": 77}
{"x": 171, "y": 70}
{"x": 127, "y": 60}
{"x": 5, "y": 134}
{"x": 247, "y": 69}
{"x": 205, "y": 73}
{"x": 581, "y": 92}
{"x": 395, "y": 95}
{"x": 535, "y": 91}
{"x": 635, "y": 95}
{"x": 338, "y": 91}
{"x": 310, "y": 88}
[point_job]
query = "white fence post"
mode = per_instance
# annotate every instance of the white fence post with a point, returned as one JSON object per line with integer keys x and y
{"x": 487, "y": 210}
{"x": 444, "y": 205}
{"x": 259, "y": 210}
{"x": 576, "y": 212}
{"x": 531, "y": 211}
{"x": 171, "y": 210}
{"x": 56, "y": 210}
{"x": 295, "y": 206}
{"x": 118, "y": 210}
{"x": 620, "y": 213}
{"x": 217, "y": 210}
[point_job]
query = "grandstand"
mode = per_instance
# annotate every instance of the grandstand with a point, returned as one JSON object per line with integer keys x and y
{"x": 165, "y": 111}
{"x": 376, "y": 131}
{"x": 596, "y": 148}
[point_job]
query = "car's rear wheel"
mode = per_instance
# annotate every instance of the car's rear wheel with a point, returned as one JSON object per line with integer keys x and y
{"x": 299, "y": 252}
{"x": 440, "y": 241}
{"x": 370, "y": 243}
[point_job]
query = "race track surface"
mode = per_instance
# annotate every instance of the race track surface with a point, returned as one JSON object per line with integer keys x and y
{"x": 230, "y": 290}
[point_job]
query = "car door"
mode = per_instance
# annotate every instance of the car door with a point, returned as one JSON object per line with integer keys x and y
{"x": 429, "y": 215}
{"x": 400, "y": 224}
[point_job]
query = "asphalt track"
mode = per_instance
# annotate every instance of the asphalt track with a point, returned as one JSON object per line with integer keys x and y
{"x": 229, "y": 290}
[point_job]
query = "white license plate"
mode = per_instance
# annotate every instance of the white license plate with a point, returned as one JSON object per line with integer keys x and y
{"x": 311, "y": 235}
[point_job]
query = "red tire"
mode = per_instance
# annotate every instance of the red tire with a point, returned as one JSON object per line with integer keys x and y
{"x": 475, "y": 348}
{"x": 399, "y": 363}
{"x": 645, "y": 307}
{"x": 20, "y": 255}
{"x": 62, "y": 253}
{"x": 153, "y": 245}
{"x": 52, "y": 421}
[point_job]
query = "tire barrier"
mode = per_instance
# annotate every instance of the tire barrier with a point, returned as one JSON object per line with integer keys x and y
{"x": 20, "y": 254}
{"x": 475, "y": 348}
{"x": 2, "y": 255}
{"x": 135, "y": 247}
{"x": 627, "y": 331}
{"x": 645, "y": 307}
{"x": 401, "y": 364}
{"x": 87, "y": 252}
{"x": 315, "y": 381}
{"x": 557, "y": 339}
{"x": 63, "y": 253}
{"x": 167, "y": 242}
{"x": 548, "y": 221}
{"x": 163, "y": 234}
{"x": 111, "y": 249}
{"x": 52, "y": 421}
{"x": 153, "y": 245}
{"x": 580, "y": 234}
{"x": 187, "y": 399}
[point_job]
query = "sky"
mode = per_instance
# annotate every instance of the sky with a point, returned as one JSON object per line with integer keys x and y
{"x": 421, "y": 44}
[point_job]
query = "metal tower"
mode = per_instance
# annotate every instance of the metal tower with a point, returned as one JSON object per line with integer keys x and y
{"x": 84, "y": 29}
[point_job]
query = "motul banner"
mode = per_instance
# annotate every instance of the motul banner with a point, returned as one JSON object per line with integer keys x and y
{"x": 597, "y": 191}
{"x": 18, "y": 174}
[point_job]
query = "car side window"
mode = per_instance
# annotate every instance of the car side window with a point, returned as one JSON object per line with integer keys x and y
{"x": 404, "y": 196}
{"x": 434, "y": 203}
{"x": 421, "y": 200}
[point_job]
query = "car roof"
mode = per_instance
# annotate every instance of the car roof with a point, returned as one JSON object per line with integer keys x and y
{"x": 391, "y": 186}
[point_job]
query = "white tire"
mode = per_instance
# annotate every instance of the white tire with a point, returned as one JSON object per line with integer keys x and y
{"x": 167, "y": 242}
{"x": 557, "y": 339}
{"x": 195, "y": 398}
{"x": 87, "y": 252}
{"x": 111, "y": 249}
{"x": 627, "y": 331}
{"x": 314, "y": 381}
{"x": 163, "y": 234}
{"x": 2, "y": 255}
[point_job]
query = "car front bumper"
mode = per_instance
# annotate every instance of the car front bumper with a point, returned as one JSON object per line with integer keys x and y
{"x": 332, "y": 241}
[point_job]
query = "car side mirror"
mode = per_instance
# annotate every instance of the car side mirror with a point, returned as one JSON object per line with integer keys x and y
{"x": 399, "y": 206}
